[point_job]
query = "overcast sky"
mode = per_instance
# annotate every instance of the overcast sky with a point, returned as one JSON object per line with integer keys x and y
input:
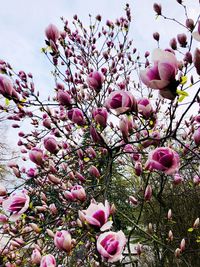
{"x": 22, "y": 25}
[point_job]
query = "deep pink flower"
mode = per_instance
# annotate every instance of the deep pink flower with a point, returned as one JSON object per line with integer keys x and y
{"x": 162, "y": 75}
{"x": 96, "y": 214}
{"x": 100, "y": 115}
{"x": 64, "y": 98}
{"x": 36, "y": 155}
{"x": 52, "y": 33}
{"x": 63, "y": 240}
{"x": 145, "y": 107}
{"x": 196, "y": 60}
{"x": 121, "y": 101}
{"x": 76, "y": 115}
{"x": 17, "y": 204}
{"x": 48, "y": 261}
{"x": 110, "y": 245}
{"x": 51, "y": 144}
{"x": 163, "y": 159}
{"x": 95, "y": 80}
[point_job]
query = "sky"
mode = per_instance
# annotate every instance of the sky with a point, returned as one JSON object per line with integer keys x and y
{"x": 22, "y": 25}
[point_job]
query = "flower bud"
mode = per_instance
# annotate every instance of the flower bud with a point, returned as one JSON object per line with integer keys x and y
{"x": 196, "y": 60}
{"x": 182, "y": 245}
{"x": 189, "y": 24}
{"x": 196, "y": 223}
{"x": 170, "y": 236}
{"x": 157, "y": 8}
{"x": 36, "y": 256}
{"x": 148, "y": 193}
{"x": 173, "y": 43}
{"x": 3, "y": 191}
{"x": 182, "y": 39}
{"x": 169, "y": 214}
{"x": 52, "y": 33}
{"x": 177, "y": 253}
{"x": 156, "y": 36}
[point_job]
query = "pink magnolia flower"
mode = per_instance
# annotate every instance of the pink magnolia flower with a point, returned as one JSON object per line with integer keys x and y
{"x": 95, "y": 80}
{"x": 100, "y": 115}
{"x": 6, "y": 88}
{"x": 36, "y": 256}
{"x": 17, "y": 204}
{"x": 63, "y": 240}
{"x": 77, "y": 192}
{"x": 64, "y": 98}
{"x": 96, "y": 214}
{"x": 196, "y": 60}
{"x": 110, "y": 245}
{"x": 121, "y": 101}
{"x": 163, "y": 159}
{"x": 3, "y": 218}
{"x": 48, "y": 261}
{"x": 76, "y": 115}
{"x": 3, "y": 191}
{"x": 145, "y": 107}
{"x": 52, "y": 33}
{"x": 162, "y": 75}
{"x": 36, "y": 156}
{"x": 196, "y": 34}
{"x": 51, "y": 144}
{"x": 196, "y": 136}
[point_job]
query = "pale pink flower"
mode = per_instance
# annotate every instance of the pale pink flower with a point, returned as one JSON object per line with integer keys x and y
{"x": 48, "y": 261}
{"x": 110, "y": 245}
{"x": 17, "y": 204}
{"x": 63, "y": 240}
{"x": 52, "y": 33}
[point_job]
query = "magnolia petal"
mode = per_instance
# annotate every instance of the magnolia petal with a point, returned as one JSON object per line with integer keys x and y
{"x": 196, "y": 36}
{"x": 106, "y": 226}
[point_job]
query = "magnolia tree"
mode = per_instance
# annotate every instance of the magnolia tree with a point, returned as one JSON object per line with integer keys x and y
{"x": 115, "y": 151}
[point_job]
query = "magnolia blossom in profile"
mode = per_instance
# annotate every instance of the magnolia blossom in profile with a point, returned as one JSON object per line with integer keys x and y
{"x": 17, "y": 204}
{"x": 64, "y": 98}
{"x": 48, "y": 261}
{"x": 95, "y": 80}
{"x": 6, "y": 88}
{"x": 96, "y": 214}
{"x": 36, "y": 155}
{"x": 110, "y": 245}
{"x": 51, "y": 144}
{"x": 100, "y": 115}
{"x": 145, "y": 107}
{"x": 163, "y": 159}
{"x": 36, "y": 256}
{"x": 196, "y": 34}
{"x": 196, "y": 136}
{"x": 63, "y": 240}
{"x": 162, "y": 74}
{"x": 52, "y": 33}
{"x": 121, "y": 102}
{"x": 76, "y": 116}
{"x": 196, "y": 60}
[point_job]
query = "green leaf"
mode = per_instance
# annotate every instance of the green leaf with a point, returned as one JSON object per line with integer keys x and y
{"x": 190, "y": 229}
{"x": 7, "y": 101}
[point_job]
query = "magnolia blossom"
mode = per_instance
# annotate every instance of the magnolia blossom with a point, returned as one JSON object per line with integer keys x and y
{"x": 52, "y": 33}
{"x": 64, "y": 98}
{"x": 96, "y": 214}
{"x": 196, "y": 136}
{"x": 77, "y": 192}
{"x": 163, "y": 159}
{"x": 76, "y": 115}
{"x": 100, "y": 115}
{"x": 162, "y": 75}
{"x": 63, "y": 240}
{"x": 36, "y": 256}
{"x": 6, "y": 88}
{"x": 110, "y": 245}
{"x": 145, "y": 107}
{"x": 17, "y": 204}
{"x": 95, "y": 80}
{"x": 48, "y": 261}
{"x": 36, "y": 156}
{"x": 196, "y": 34}
{"x": 51, "y": 144}
{"x": 121, "y": 101}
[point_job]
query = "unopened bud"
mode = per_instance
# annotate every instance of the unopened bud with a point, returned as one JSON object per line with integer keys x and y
{"x": 157, "y": 8}
{"x": 182, "y": 245}
{"x": 156, "y": 36}
{"x": 169, "y": 214}
{"x": 148, "y": 193}
{"x": 177, "y": 253}
{"x": 170, "y": 236}
{"x": 196, "y": 223}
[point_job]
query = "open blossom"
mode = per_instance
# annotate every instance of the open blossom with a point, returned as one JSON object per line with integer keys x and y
{"x": 17, "y": 204}
{"x": 48, "y": 261}
{"x": 110, "y": 245}
{"x": 162, "y": 74}
{"x": 121, "y": 101}
{"x": 63, "y": 240}
{"x": 95, "y": 80}
{"x": 96, "y": 214}
{"x": 64, "y": 98}
{"x": 163, "y": 159}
